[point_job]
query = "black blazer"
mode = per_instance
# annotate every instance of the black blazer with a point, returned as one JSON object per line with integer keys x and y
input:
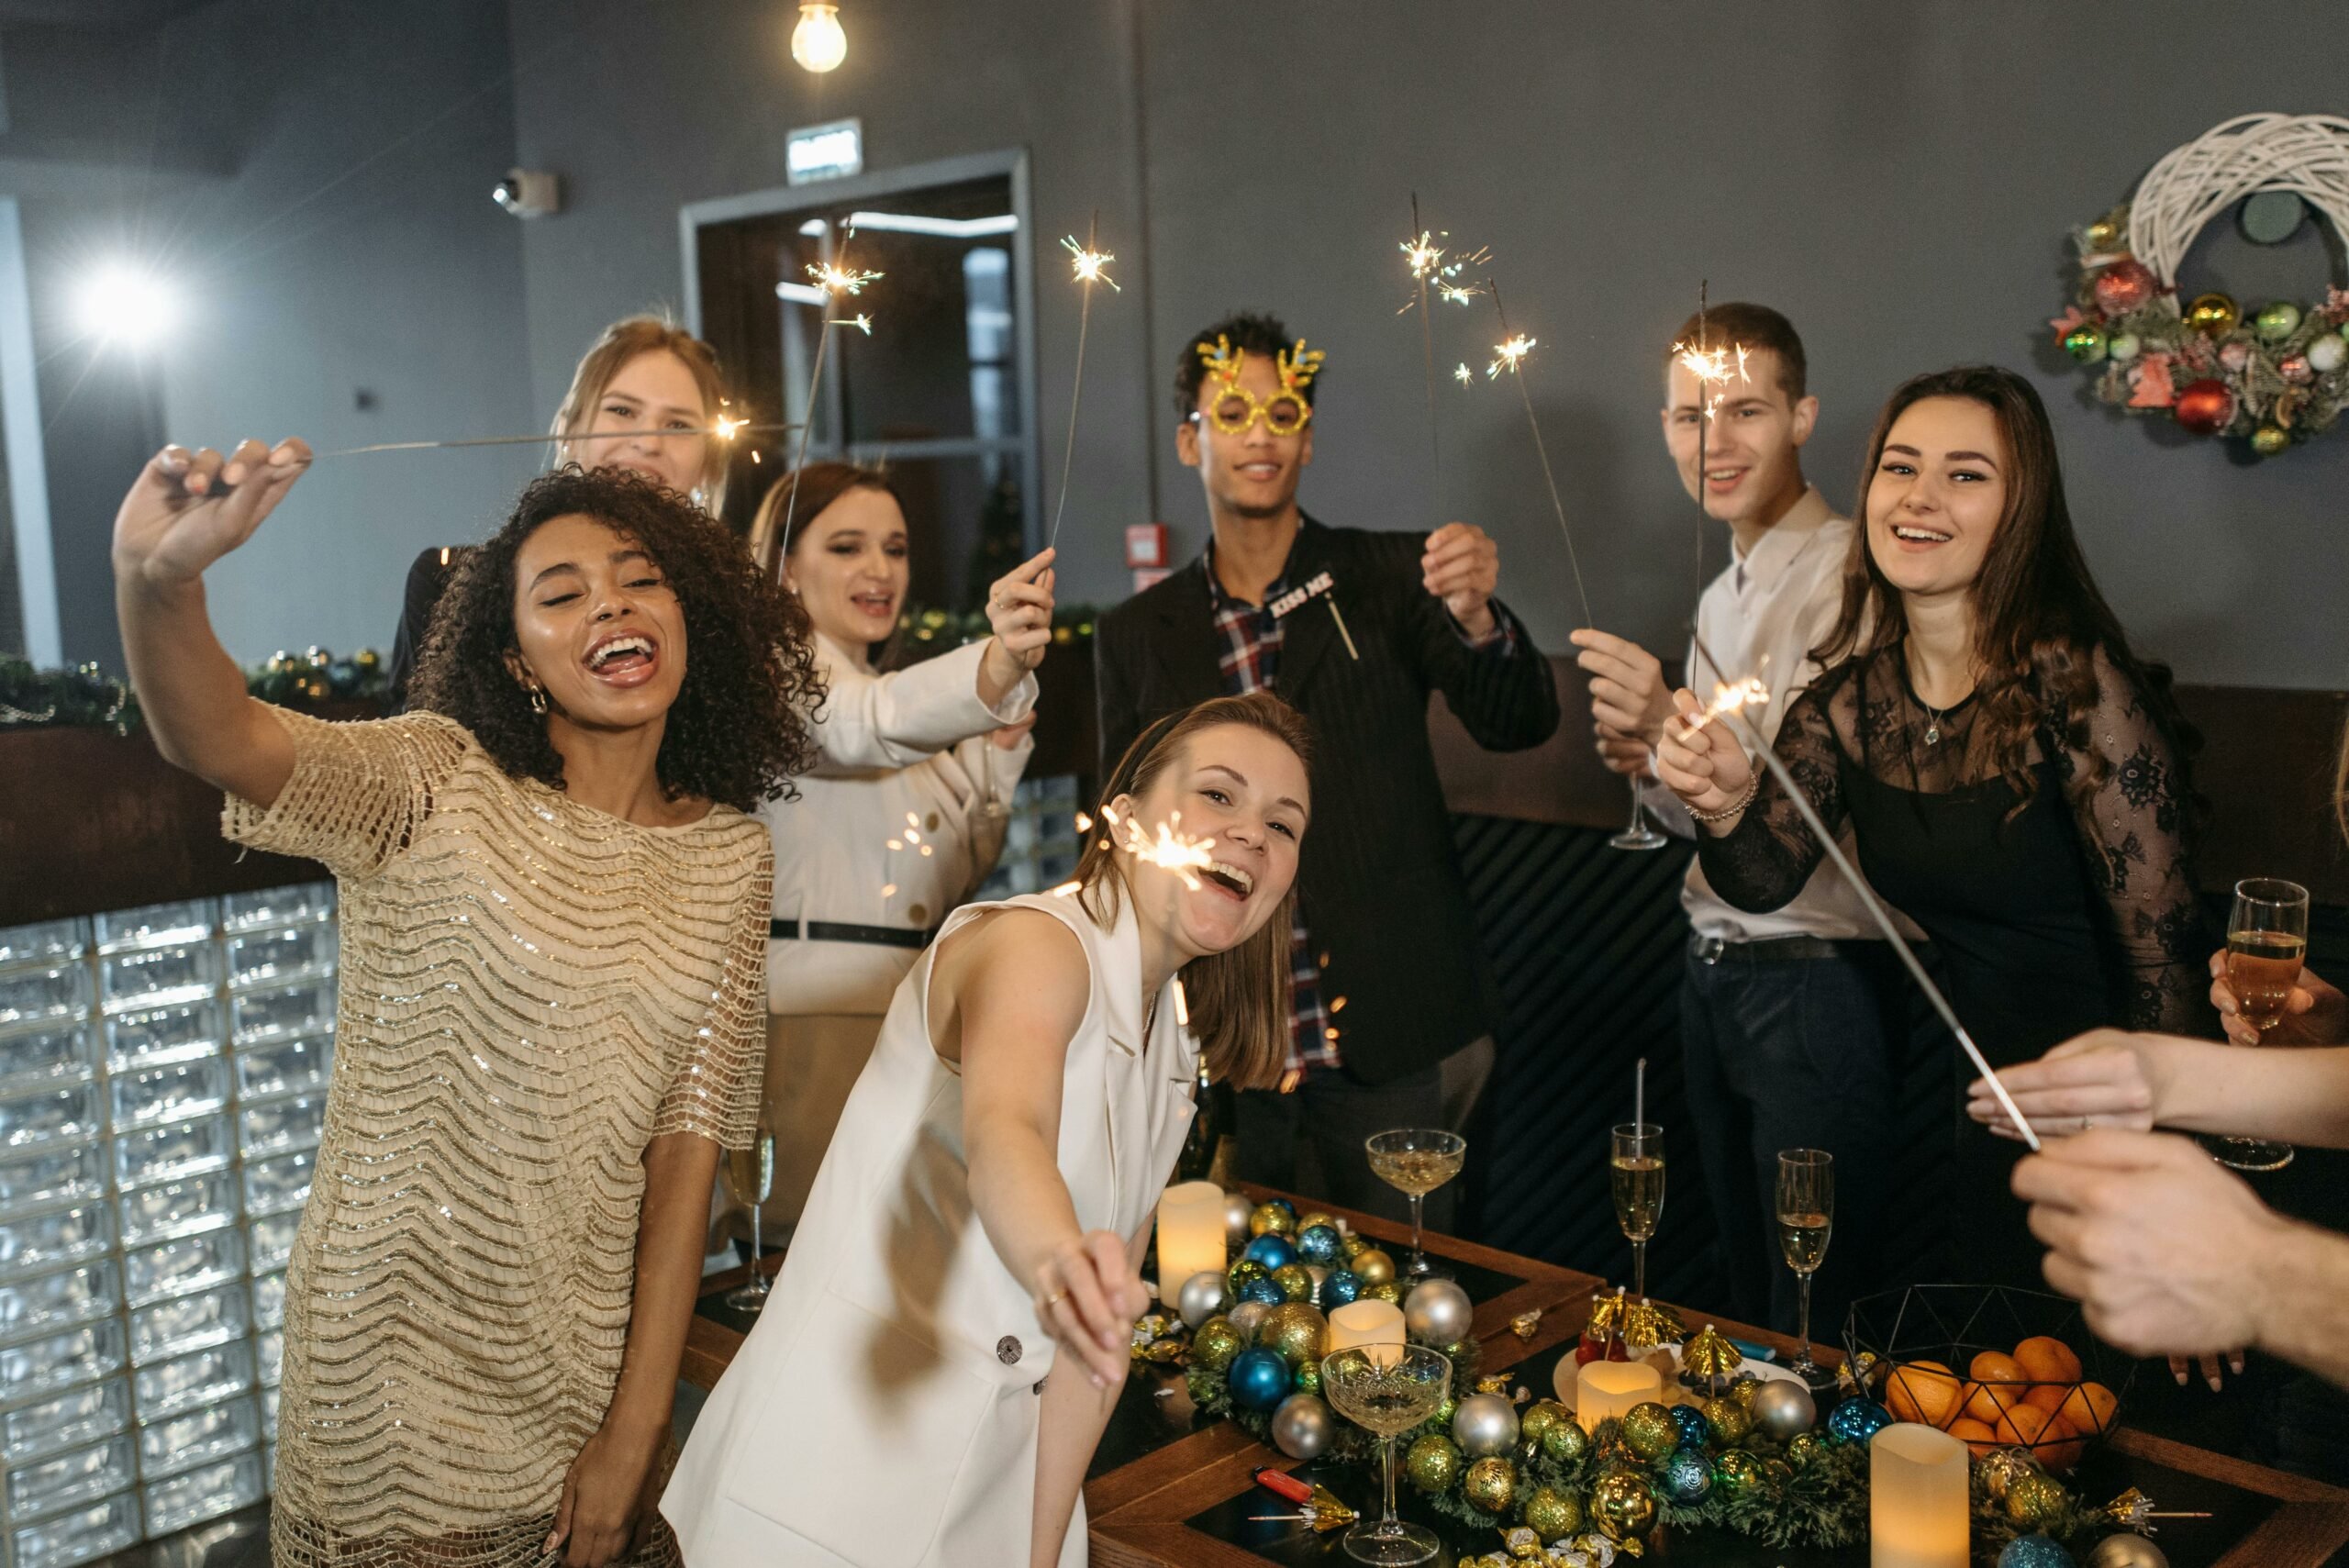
{"x": 1382, "y": 896}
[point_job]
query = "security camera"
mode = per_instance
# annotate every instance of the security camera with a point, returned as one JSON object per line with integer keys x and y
{"x": 529, "y": 193}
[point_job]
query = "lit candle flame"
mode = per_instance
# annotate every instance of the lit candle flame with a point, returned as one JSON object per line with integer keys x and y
{"x": 1510, "y": 352}
{"x": 1088, "y": 263}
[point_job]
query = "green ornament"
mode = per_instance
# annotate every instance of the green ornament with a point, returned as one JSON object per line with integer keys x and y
{"x": 1205, "y": 1388}
{"x": 2268, "y": 440}
{"x": 1738, "y": 1473}
{"x": 1552, "y": 1512}
{"x": 1730, "y": 1421}
{"x": 1566, "y": 1443}
{"x": 1490, "y": 1485}
{"x": 1214, "y": 1343}
{"x": 1433, "y": 1463}
{"x": 1539, "y": 1417}
{"x": 1623, "y": 1505}
{"x": 2277, "y": 321}
{"x": 2033, "y": 1500}
{"x": 1272, "y": 1219}
{"x": 1805, "y": 1448}
{"x": 1297, "y": 1330}
{"x": 2085, "y": 343}
{"x": 1308, "y": 1377}
{"x": 1385, "y": 1290}
{"x": 1650, "y": 1431}
{"x": 1445, "y": 1412}
{"x": 1244, "y": 1271}
{"x": 1295, "y": 1282}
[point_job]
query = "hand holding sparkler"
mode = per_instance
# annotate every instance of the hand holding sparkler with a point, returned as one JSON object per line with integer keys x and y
{"x": 1461, "y": 566}
{"x": 1706, "y": 766}
{"x": 1630, "y": 699}
{"x": 1020, "y": 609}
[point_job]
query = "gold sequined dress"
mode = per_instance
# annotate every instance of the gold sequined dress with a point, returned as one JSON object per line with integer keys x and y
{"x": 531, "y": 990}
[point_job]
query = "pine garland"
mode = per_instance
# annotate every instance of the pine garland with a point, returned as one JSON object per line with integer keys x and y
{"x": 88, "y": 698}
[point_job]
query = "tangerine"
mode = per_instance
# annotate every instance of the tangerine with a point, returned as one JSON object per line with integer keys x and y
{"x": 1979, "y": 1437}
{"x": 2026, "y": 1425}
{"x": 1993, "y": 1366}
{"x": 2089, "y": 1408}
{"x": 2060, "y": 1445}
{"x": 2048, "y": 1396}
{"x": 1922, "y": 1392}
{"x": 1985, "y": 1402}
{"x": 2045, "y": 1359}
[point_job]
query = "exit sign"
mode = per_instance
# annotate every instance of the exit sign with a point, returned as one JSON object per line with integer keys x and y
{"x": 827, "y": 151}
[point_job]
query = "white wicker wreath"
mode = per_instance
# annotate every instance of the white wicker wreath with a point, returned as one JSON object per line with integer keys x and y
{"x": 2276, "y": 374}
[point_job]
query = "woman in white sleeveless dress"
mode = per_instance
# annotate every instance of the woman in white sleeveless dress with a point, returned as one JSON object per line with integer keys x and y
{"x": 951, "y": 1327}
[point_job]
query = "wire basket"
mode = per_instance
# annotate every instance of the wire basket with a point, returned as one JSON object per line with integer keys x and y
{"x": 1928, "y": 1343}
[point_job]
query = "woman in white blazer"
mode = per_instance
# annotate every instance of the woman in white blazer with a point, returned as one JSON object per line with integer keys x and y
{"x": 903, "y": 815}
{"x": 951, "y": 1327}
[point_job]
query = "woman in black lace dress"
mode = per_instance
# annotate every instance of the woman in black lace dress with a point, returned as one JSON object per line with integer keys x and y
{"x": 2010, "y": 770}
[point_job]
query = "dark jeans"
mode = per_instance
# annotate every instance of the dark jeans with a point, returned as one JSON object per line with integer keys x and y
{"x": 1794, "y": 1053}
{"x": 1310, "y": 1142}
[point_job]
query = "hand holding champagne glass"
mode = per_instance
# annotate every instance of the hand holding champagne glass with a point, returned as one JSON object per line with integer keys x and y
{"x": 1387, "y": 1394}
{"x": 1806, "y": 1221}
{"x": 1416, "y": 1161}
{"x": 2267, "y": 938}
{"x": 750, "y": 1173}
{"x": 1636, "y": 1175}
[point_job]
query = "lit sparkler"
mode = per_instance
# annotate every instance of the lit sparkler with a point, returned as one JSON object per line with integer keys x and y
{"x": 1513, "y": 349}
{"x": 861, "y": 323}
{"x": 1463, "y": 374}
{"x": 1727, "y": 700}
{"x": 1424, "y": 259}
{"x": 1087, "y": 261}
{"x": 723, "y": 429}
{"x": 1712, "y": 368}
{"x": 1168, "y": 847}
{"x": 836, "y": 278}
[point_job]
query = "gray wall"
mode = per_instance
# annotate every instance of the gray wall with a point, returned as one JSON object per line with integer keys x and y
{"x": 1900, "y": 180}
{"x": 314, "y": 179}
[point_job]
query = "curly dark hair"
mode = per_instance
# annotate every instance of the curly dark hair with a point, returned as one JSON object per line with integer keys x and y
{"x": 737, "y": 732}
{"x": 1251, "y": 332}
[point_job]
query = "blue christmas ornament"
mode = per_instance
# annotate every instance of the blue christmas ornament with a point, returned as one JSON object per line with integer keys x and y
{"x": 1273, "y": 1251}
{"x": 2034, "y": 1551}
{"x": 1694, "y": 1433}
{"x": 1259, "y": 1379}
{"x": 1855, "y": 1421}
{"x": 1317, "y": 1244}
{"x": 1686, "y": 1475}
{"x": 1262, "y": 1289}
{"x": 1343, "y": 1286}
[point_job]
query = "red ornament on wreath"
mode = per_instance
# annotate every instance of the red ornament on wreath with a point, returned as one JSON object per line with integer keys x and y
{"x": 2205, "y": 407}
{"x": 2125, "y": 287}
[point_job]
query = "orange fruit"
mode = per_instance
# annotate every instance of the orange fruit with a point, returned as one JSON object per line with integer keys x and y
{"x": 2048, "y": 1396}
{"x": 1922, "y": 1392}
{"x": 2025, "y": 1425}
{"x": 2089, "y": 1408}
{"x": 1985, "y": 1402}
{"x": 1979, "y": 1437}
{"x": 2047, "y": 1360}
{"x": 1991, "y": 1366}
{"x": 2060, "y": 1445}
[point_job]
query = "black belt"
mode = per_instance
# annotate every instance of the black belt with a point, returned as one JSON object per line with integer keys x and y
{"x": 833, "y": 932}
{"x": 1712, "y": 950}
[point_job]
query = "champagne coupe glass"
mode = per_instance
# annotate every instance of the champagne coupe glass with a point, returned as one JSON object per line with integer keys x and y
{"x": 1806, "y": 1221}
{"x": 2268, "y": 936}
{"x": 1416, "y": 1161}
{"x": 1387, "y": 1390}
{"x": 1635, "y": 1171}
{"x": 1638, "y": 835}
{"x": 751, "y": 1172}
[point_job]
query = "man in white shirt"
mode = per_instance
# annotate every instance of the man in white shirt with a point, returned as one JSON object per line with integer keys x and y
{"x": 1790, "y": 1020}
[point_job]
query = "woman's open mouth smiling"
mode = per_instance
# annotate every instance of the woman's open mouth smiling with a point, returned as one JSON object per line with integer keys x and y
{"x": 624, "y": 659}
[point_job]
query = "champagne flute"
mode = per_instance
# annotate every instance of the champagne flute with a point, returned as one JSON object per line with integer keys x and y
{"x": 1387, "y": 1392}
{"x": 1636, "y": 1174}
{"x": 1416, "y": 1161}
{"x": 1638, "y": 835}
{"x": 1806, "y": 1219}
{"x": 2267, "y": 937}
{"x": 750, "y": 1173}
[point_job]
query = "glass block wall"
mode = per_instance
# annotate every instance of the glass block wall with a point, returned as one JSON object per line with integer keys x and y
{"x": 162, "y": 1079}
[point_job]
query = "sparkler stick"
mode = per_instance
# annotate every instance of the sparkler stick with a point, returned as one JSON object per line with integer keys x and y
{"x": 723, "y": 429}
{"x": 835, "y": 278}
{"x": 1708, "y": 365}
{"x": 1422, "y": 254}
{"x": 1801, "y": 803}
{"x": 1088, "y": 263}
{"x": 1513, "y": 349}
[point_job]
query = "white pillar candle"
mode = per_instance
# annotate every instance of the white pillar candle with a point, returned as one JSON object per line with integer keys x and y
{"x": 1604, "y": 1390}
{"x": 1190, "y": 1235}
{"x": 1375, "y": 1325}
{"x": 1917, "y": 1498}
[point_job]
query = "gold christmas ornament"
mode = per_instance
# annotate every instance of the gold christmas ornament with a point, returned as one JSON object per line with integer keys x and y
{"x": 1525, "y": 1324}
{"x": 2033, "y": 1500}
{"x": 1373, "y": 1267}
{"x": 2213, "y": 315}
{"x": 1433, "y": 1463}
{"x": 1296, "y": 1283}
{"x": 1539, "y": 1417}
{"x": 1490, "y": 1485}
{"x": 1272, "y": 1219}
{"x": 1552, "y": 1513}
{"x": 1566, "y": 1443}
{"x": 1387, "y": 1290}
{"x": 1296, "y": 1329}
{"x": 1215, "y": 1344}
{"x": 2268, "y": 440}
{"x": 1730, "y": 1421}
{"x": 1623, "y": 1505}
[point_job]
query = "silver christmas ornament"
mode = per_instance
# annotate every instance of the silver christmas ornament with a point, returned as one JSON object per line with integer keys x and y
{"x": 2126, "y": 1551}
{"x": 1203, "y": 1295}
{"x": 1236, "y": 1210}
{"x": 1245, "y": 1317}
{"x": 1783, "y": 1409}
{"x": 1302, "y": 1426}
{"x": 1437, "y": 1312}
{"x": 1485, "y": 1425}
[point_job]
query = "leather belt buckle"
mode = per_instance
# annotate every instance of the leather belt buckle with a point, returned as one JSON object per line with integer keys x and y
{"x": 1710, "y": 949}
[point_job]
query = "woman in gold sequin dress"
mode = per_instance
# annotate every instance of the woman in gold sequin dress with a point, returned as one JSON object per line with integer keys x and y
{"x": 554, "y": 909}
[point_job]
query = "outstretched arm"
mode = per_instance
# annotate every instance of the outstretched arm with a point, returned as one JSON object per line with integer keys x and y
{"x": 185, "y": 511}
{"x": 2109, "y": 1078}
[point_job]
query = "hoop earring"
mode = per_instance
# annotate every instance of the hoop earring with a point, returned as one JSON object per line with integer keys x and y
{"x": 539, "y": 700}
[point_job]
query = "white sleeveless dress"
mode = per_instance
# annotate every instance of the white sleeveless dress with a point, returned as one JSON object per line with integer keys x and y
{"x": 883, "y": 1412}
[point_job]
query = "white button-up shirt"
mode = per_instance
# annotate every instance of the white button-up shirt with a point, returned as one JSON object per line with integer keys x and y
{"x": 1761, "y": 616}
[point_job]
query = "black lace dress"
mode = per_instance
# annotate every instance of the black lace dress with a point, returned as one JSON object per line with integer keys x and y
{"x": 2048, "y": 921}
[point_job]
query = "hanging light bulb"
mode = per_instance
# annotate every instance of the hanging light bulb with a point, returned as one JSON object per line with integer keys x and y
{"x": 818, "y": 43}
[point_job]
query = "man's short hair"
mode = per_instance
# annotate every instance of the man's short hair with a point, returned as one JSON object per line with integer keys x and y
{"x": 1739, "y": 325}
{"x": 1249, "y": 332}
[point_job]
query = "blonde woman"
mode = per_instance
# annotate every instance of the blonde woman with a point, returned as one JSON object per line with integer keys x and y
{"x": 951, "y": 1327}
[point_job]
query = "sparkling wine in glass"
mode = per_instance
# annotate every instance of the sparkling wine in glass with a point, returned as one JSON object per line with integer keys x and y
{"x": 1638, "y": 835}
{"x": 1415, "y": 1161}
{"x": 1806, "y": 1221}
{"x": 1387, "y": 1392}
{"x": 750, "y": 1173}
{"x": 1635, "y": 1173}
{"x": 2268, "y": 936}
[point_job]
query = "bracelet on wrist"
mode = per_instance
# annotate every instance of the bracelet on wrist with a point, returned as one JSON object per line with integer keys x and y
{"x": 1745, "y": 799}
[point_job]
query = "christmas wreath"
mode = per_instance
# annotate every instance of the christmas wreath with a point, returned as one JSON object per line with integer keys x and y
{"x": 2277, "y": 375}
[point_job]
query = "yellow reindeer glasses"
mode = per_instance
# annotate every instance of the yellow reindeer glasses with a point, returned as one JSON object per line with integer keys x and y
{"x": 1235, "y": 407}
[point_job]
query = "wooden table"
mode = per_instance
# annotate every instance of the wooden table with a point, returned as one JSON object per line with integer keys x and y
{"x": 1164, "y": 1478}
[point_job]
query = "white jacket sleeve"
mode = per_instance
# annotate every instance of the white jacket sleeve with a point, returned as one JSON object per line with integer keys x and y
{"x": 896, "y": 719}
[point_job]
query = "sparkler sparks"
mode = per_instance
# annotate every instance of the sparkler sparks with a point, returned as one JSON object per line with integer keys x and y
{"x": 861, "y": 323}
{"x": 1463, "y": 376}
{"x": 1168, "y": 848}
{"x": 1727, "y": 700}
{"x": 1513, "y": 349}
{"x": 1510, "y": 352}
{"x": 1086, "y": 260}
{"x": 836, "y": 278}
{"x": 722, "y": 429}
{"x": 1088, "y": 263}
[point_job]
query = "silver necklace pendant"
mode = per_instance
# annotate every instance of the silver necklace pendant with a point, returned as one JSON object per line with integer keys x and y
{"x": 1933, "y": 734}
